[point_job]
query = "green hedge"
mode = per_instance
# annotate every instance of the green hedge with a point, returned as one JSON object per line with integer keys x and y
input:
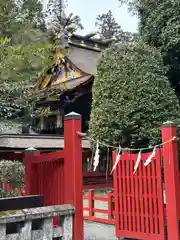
{"x": 132, "y": 96}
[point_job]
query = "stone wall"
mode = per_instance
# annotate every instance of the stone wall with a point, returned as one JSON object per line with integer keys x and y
{"x": 23, "y": 220}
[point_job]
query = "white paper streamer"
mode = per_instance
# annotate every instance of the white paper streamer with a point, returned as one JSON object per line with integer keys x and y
{"x": 149, "y": 159}
{"x": 118, "y": 157}
{"x": 96, "y": 157}
{"x": 137, "y": 162}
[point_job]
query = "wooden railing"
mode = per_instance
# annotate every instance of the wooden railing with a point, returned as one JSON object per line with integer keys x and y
{"x": 100, "y": 209}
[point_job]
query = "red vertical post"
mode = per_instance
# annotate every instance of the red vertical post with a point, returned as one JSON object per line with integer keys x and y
{"x": 115, "y": 190}
{"x": 30, "y": 180}
{"x": 73, "y": 171}
{"x": 110, "y": 210}
{"x": 171, "y": 179}
{"x": 91, "y": 203}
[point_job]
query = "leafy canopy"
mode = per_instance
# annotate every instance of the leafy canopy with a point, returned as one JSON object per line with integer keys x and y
{"x": 131, "y": 96}
{"x": 159, "y": 26}
{"x": 25, "y": 52}
{"x": 19, "y": 70}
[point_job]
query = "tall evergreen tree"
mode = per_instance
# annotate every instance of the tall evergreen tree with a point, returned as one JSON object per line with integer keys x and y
{"x": 108, "y": 28}
{"x": 58, "y": 20}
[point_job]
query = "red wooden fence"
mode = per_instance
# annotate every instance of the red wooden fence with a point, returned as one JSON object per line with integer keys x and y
{"x": 107, "y": 208}
{"x": 139, "y": 207}
{"x": 58, "y": 176}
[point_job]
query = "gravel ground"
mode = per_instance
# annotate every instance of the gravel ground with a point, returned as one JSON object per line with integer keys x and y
{"x": 97, "y": 231}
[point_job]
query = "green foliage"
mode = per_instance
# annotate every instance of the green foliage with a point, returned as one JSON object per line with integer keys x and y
{"x": 160, "y": 27}
{"x": 4, "y": 194}
{"x": 131, "y": 96}
{"x": 159, "y": 23}
{"x": 16, "y": 15}
{"x": 32, "y": 13}
{"x": 25, "y": 53}
{"x": 12, "y": 172}
{"x": 20, "y": 68}
{"x": 10, "y": 127}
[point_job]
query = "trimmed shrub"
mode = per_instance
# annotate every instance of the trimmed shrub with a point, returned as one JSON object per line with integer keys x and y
{"x": 132, "y": 96}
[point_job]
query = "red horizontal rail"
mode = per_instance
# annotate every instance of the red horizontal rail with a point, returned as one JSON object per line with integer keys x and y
{"x": 94, "y": 174}
{"x": 49, "y": 157}
{"x": 102, "y": 199}
{"x": 95, "y": 198}
{"x": 97, "y": 210}
{"x": 85, "y": 197}
{"x": 98, "y": 185}
{"x": 99, "y": 220}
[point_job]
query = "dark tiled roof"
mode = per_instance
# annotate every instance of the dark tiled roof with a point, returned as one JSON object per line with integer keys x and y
{"x": 90, "y": 42}
{"x": 21, "y": 141}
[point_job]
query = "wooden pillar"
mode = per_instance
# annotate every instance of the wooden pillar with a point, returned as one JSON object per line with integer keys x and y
{"x": 171, "y": 179}
{"x": 41, "y": 122}
{"x": 58, "y": 122}
{"x": 73, "y": 171}
{"x": 59, "y": 119}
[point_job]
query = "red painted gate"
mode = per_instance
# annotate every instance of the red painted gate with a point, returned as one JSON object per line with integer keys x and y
{"x": 140, "y": 210}
{"x": 139, "y": 198}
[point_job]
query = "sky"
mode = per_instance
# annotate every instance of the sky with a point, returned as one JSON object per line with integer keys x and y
{"x": 88, "y": 11}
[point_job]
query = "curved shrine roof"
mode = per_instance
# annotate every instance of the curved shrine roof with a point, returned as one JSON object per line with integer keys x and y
{"x": 79, "y": 66}
{"x": 84, "y": 59}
